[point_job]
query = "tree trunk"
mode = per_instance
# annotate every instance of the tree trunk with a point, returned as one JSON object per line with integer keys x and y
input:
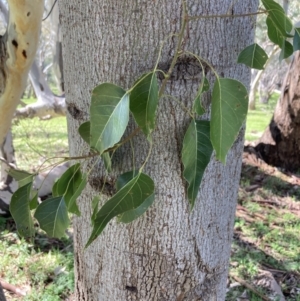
{"x": 280, "y": 143}
{"x": 47, "y": 105}
{"x": 169, "y": 253}
{"x": 57, "y": 47}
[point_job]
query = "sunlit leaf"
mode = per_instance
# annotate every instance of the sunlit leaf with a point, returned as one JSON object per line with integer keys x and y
{"x": 196, "y": 153}
{"x": 228, "y": 112}
{"x": 197, "y": 106}
{"x": 129, "y": 197}
{"x": 277, "y": 14}
{"x": 70, "y": 186}
{"x": 143, "y": 102}
{"x": 20, "y": 210}
{"x": 52, "y": 215}
{"x": 253, "y": 56}
{"x": 109, "y": 116}
{"x": 131, "y": 215}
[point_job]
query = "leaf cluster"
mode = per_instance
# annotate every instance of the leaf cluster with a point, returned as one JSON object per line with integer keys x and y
{"x": 280, "y": 31}
{"x": 110, "y": 111}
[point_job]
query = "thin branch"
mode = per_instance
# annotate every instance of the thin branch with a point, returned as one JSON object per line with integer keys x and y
{"x": 190, "y": 18}
{"x": 250, "y": 287}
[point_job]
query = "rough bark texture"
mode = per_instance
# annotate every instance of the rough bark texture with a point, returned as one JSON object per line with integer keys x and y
{"x": 170, "y": 253}
{"x": 280, "y": 143}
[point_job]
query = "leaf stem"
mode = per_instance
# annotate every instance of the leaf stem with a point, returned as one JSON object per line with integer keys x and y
{"x": 148, "y": 156}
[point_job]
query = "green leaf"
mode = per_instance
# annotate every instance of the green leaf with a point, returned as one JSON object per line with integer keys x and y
{"x": 70, "y": 186}
{"x": 253, "y": 56}
{"x": 129, "y": 197}
{"x": 131, "y": 215}
{"x": 95, "y": 203}
{"x": 85, "y": 131}
{"x": 277, "y": 14}
{"x": 273, "y": 33}
{"x": 196, "y": 153}
{"x": 286, "y": 51}
{"x": 52, "y": 216}
{"x": 143, "y": 102}
{"x": 197, "y": 106}
{"x": 228, "y": 112}
{"x": 109, "y": 116}
{"x": 296, "y": 40}
{"x": 34, "y": 201}
{"x": 20, "y": 210}
{"x": 21, "y": 176}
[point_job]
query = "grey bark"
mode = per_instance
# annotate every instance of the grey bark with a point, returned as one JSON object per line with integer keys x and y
{"x": 170, "y": 253}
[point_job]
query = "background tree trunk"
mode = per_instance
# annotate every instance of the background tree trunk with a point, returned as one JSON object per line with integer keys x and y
{"x": 57, "y": 47}
{"x": 170, "y": 253}
{"x": 280, "y": 143}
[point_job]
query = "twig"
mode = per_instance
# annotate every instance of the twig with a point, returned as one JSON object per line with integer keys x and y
{"x": 226, "y": 16}
{"x": 250, "y": 287}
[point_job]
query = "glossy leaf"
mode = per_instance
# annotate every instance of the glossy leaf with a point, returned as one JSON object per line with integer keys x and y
{"x": 21, "y": 176}
{"x": 109, "y": 116}
{"x": 52, "y": 215}
{"x": 228, "y": 112}
{"x": 20, "y": 210}
{"x": 277, "y": 14}
{"x": 196, "y": 153}
{"x": 70, "y": 186}
{"x": 129, "y": 197}
{"x": 286, "y": 50}
{"x": 253, "y": 56}
{"x": 85, "y": 131}
{"x": 143, "y": 102}
{"x": 296, "y": 40}
{"x": 197, "y": 106}
{"x": 131, "y": 215}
